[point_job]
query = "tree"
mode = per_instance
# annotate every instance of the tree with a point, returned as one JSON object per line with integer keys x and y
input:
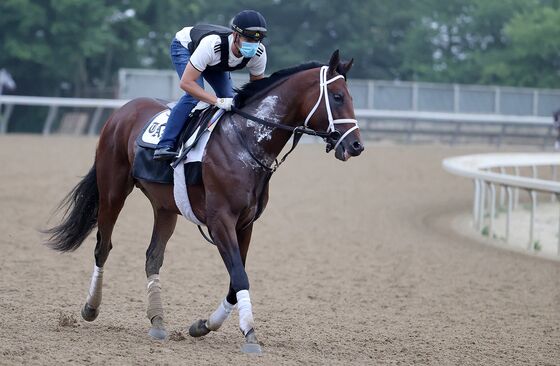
{"x": 75, "y": 47}
{"x": 532, "y": 57}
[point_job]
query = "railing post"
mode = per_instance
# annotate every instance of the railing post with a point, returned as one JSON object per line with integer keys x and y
{"x": 481, "y": 205}
{"x": 535, "y": 176}
{"x": 502, "y": 189}
{"x": 532, "y": 193}
{"x": 476, "y": 202}
{"x": 456, "y": 97}
{"x": 516, "y": 190}
{"x": 492, "y": 209}
{"x": 497, "y": 101}
{"x": 535, "y": 102}
{"x": 95, "y": 121}
{"x": 411, "y": 129}
{"x": 50, "y": 119}
{"x": 509, "y": 209}
{"x": 558, "y": 247}
{"x": 500, "y": 136}
{"x": 414, "y": 96}
{"x": 554, "y": 177}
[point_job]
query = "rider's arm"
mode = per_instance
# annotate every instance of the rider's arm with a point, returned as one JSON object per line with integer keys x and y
{"x": 256, "y": 77}
{"x": 188, "y": 84}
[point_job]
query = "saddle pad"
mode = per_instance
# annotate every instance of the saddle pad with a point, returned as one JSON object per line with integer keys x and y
{"x": 150, "y": 170}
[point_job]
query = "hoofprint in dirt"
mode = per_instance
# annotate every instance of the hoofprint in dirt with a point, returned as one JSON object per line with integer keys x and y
{"x": 349, "y": 264}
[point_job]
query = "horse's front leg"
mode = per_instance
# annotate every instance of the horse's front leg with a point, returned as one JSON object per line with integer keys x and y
{"x": 233, "y": 246}
{"x": 204, "y": 326}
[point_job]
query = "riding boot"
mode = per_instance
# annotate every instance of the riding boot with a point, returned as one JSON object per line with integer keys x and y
{"x": 164, "y": 153}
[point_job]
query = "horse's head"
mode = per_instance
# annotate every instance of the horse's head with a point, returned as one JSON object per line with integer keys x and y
{"x": 331, "y": 109}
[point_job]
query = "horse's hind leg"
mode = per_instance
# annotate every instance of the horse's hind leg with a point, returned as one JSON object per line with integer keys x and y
{"x": 114, "y": 187}
{"x": 164, "y": 225}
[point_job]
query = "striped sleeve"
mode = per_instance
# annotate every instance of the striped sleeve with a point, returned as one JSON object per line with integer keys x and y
{"x": 205, "y": 54}
{"x": 257, "y": 65}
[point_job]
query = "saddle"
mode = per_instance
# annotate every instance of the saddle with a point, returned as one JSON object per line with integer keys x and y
{"x": 150, "y": 170}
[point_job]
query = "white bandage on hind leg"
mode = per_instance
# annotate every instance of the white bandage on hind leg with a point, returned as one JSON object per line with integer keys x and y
{"x": 95, "y": 288}
{"x": 155, "y": 306}
{"x": 246, "y": 322}
{"x": 220, "y": 315}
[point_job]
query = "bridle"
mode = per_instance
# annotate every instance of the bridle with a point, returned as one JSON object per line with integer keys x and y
{"x": 336, "y": 140}
{"x": 332, "y": 136}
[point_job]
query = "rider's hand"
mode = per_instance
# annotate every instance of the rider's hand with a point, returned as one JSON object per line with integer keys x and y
{"x": 224, "y": 103}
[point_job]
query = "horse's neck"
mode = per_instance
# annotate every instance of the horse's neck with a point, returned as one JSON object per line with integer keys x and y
{"x": 279, "y": 105}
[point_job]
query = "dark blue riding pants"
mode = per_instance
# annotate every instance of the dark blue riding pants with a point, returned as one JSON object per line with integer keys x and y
{"x": 220, "y": 81}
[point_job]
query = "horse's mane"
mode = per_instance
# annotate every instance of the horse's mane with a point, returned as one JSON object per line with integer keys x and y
{"x": 254, "y": 87}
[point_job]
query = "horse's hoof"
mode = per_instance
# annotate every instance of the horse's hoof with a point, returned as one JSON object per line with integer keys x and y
{"x": 89, "y": 314}
{"x": 157, "y": 331}
{"x": 251, "y": 344}
{"x": 252, "y": 348}
{"x": 159, "y": 334}
{"x": 199, "y": 329}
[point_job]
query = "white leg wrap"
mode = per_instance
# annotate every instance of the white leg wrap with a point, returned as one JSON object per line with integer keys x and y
{"x": 220, "y": 315}
{"x": 155, "y": 306}
{"x": 94, "y": 295}
{"x": 246, "y": 322}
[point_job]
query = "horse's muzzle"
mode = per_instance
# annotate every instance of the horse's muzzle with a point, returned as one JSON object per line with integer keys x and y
{"x": 345, "y": 151}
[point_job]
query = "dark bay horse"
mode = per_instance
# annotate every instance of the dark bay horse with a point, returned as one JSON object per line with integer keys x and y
{"x": 236, "y": 169}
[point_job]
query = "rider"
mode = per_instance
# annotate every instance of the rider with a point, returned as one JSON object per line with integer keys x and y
{"x": 211, "y": 52}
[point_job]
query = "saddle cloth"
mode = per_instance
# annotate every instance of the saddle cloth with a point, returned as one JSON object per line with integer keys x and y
{"x": 150, "y": 170}
{"x": 203, "y": 119}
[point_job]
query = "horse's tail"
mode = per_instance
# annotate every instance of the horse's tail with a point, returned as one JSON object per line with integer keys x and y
{"x": 80, "y": 215}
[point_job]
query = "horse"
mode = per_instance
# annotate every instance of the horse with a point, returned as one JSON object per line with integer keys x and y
{"x": 239, "y": 160}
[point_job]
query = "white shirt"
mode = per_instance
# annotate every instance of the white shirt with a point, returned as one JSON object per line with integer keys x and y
{"x": 208, "y": 53}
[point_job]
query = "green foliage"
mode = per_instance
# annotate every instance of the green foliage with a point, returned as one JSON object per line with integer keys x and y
{"x": 75, "y": 47}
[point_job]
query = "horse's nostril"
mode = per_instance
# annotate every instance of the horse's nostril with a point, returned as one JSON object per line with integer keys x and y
{"x": 357, "y": 146}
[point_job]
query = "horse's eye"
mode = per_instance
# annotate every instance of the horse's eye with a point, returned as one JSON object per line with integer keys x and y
{"x": 338, "y": 98}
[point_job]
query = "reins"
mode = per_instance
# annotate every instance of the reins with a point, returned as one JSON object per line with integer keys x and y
{"x": 295, "y": 130}
{"x": 301, "y": 129}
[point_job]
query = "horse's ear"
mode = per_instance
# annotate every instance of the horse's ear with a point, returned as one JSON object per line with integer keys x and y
{"x": 344, "y": 67}
{"x": 334, "y": 62}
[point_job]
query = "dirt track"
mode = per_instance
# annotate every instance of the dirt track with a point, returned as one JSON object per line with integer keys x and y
{"x": 350, "y": 264}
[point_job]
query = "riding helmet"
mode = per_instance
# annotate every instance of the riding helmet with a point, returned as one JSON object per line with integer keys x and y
{"x": 250, "y": 24}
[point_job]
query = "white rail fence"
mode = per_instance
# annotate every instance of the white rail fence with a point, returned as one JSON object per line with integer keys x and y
{"x": 54, "y": 104}
{"x": 367, "y": 117}
{"x": 489, "y": 171}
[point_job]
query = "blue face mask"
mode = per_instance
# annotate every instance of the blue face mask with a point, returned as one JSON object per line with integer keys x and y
{"x": 249, "y": 49}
